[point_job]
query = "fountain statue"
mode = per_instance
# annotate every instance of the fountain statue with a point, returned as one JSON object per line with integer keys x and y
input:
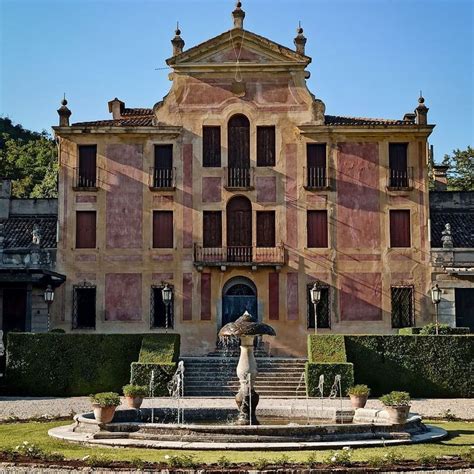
{"x": 246, "y": 327}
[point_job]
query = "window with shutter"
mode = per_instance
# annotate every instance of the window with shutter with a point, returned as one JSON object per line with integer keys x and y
{"x": 400, "y": 228}
{"x": 162, "y": 229}
{"x": 87, "y": 176}
{"x": 317, "y": 229}
{"x": 212, "y": 229}
{"x": 266, "y": 146}
{"x": 265, "y": 228}
{"x": 316, "y": 165}
{"x": 398, "y": 165}
{"x": 211, "y": 147}
{"x": 163, "y": 170}
{"x": 85, "y": 229}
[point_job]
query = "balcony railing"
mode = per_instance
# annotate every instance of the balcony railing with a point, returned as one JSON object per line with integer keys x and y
{"x": 162, "y": 178}
{"x": 316, "y": 178}
{"x": 400, "y": 179}
{"x": 239, "y": 178}
{"x": 85, "y": 179}
{"x": 239, "y": 256}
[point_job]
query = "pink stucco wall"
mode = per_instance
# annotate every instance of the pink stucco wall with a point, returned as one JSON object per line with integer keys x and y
{"x": 211, "y": 189}
{"x": 291, "y": 196}
{"x": 292, "y": 296}
{"x": 266, "y": 189}
{"x": 187, "y": 296}
{"x": 123, "y": 296}
{"x": 187, "y": 195}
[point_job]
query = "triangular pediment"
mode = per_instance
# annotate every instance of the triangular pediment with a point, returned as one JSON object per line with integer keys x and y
{"x": 237, "y": 44}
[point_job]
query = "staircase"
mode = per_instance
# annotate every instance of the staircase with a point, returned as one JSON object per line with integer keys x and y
{"x": 215, "y": 377}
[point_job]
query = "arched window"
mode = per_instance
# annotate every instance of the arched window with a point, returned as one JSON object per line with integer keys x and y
{"x": 238, "y": 146}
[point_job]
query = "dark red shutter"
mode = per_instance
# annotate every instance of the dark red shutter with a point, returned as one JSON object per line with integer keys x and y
{"x": 87, "y": 166}
{"x": 265, "y": 146}
{"x": 164, "y": 157}
{"x": 212, "y": 229}
{"x": 398, "y": 156}
{"x": 400, "y": 228}
{"x": 317, "y": 228}
{"x": 239, "y": 142}
{"x": 205, "y": 296}
{"x": 85, "y": 229}
{"x": 211, "y": 146}
{"x": 273, "y": 296}
{"x": 316, "y": 155}
{"x": 162, "y": 229}
{"x": 266, "y": 229}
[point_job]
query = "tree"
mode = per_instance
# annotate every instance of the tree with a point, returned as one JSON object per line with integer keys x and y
{"x": 461, "y": 169}
{"x": 29, "y": 159}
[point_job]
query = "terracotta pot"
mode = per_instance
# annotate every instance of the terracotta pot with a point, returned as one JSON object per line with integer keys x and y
{"x": 134, "y": 402}
{"x": 398, "y": 414}
{"x": 358, "y": 401}
{"x": 103, "y": 414}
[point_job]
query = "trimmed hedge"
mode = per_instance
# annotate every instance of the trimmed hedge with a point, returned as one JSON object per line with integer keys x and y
{"x": 443, "y": 329}
{"x": 52, "y": 364}
{"x": 329, "y": 370}
{"x": 141, "y": 375}
{"x": 326, "y": 348}
{"x": 159, "y": 350}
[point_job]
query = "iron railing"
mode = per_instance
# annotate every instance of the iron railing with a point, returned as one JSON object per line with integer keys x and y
{"x": 239, "y": 178}
{"x": 402, "y": 306}
{"x": 239, "y": 255}
{"x": 85, "y": 179}
{"x": 400, "y": 179}
{"x": 316, "y": 177}
{"x": 162, "y": 178}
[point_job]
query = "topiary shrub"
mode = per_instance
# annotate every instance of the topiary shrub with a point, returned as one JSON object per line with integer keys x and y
{"x": 159, "y": 348}
{"x": 141, "y": 375}
{"x": 430, "y": 329}
{"x": 329, "y": 370}
{"x": 326, "y": 348}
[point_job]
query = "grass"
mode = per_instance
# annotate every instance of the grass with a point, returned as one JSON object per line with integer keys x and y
{"x": 461, "y": 438}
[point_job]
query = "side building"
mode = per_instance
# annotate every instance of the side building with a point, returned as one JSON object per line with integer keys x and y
{"x": 239, "y": 193}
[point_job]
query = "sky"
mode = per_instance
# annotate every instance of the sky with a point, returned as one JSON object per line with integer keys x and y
{"x": 371, "y": 58}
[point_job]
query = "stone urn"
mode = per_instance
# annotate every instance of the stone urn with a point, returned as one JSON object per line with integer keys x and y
{"x": 398, "y": 415}
{"x": 103, "y": 414}
{"x": 358, "y": 401}
{"x": 134, "y": 402}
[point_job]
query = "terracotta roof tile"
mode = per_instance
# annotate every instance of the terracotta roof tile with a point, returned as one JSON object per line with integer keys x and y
{"x": 340, "y": 120}
{"x": 18, "y": 231}
{"x": 140, "y": 121}
{"x": 136, "y": 112}
{"x": 462, "y": 227}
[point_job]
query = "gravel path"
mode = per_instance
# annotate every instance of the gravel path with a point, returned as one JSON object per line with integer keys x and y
{"x": 28, "y": 407}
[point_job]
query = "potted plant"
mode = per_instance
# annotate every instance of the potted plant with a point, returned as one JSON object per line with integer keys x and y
{"x": 104, "y": 405}
{"x": 397, "y": 405}
{"x": 134, "y": 395}
{"x": 358, "y": 395}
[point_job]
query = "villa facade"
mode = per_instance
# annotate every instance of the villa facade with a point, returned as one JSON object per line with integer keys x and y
{"x": 239, "y": 192}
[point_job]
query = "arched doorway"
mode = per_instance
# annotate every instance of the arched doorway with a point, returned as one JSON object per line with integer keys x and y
{"x": 238, "y": 295}
{"x": 239, "y": 229}
{"x": 238, "y": 147}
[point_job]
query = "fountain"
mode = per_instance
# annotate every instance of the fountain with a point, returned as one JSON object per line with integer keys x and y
{"x": 247, "y": 398}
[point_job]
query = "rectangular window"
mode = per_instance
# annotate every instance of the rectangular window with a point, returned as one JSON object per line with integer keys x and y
{"x": 163, "y": 169}
{"x": 87, "y": 175}
{"x": 83, "y": 307}
{"x": 265, "y": 228}
{"x": 163, "y": 229}
{"x": 398, "y": 165}
{"x": 161, "y": 315}
{"x": 316, "y": 165}
{"x": 400, "y": 228}
{"x": 317, "y": 228}
{"x": 211, "y": 147}
{"x": 266, "y": 146}
{"x": 402, "y": 306}
{"x": 86, "y": 229}
{"x": 322, "y": 309}
{"x": 212, "y": 229}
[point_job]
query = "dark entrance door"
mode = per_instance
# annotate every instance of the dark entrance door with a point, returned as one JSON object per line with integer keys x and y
{"x": 237, "y": 299}
{"x": 239, "y": 230}
{"x": 14, "y": 309}
{"x": 465, "y": 307}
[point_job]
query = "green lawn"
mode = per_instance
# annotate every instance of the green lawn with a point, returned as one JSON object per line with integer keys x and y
{"x": 461, "y": 438}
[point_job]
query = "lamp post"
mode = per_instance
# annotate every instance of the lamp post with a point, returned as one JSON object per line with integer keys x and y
{"x": 315, "y": 299}
{"x": 48, "y": 298}
{"x": 166, "y": 295}
{"x": 436, "y": 298}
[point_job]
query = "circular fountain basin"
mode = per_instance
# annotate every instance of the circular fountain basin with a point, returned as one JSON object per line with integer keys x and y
{"x": 209, "y": 429}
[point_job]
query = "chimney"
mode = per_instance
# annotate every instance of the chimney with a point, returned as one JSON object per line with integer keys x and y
{"x": 300, "y": 40}
{"x": 238, "y": 15}
{"x": 64, "y": 113}
{"x": 116, "y": 107}
{"x": 5, "y": 195}
{"x": 440, "y": 174}
{"x": 421, "y": 112}
{"x": 177, "y": 42}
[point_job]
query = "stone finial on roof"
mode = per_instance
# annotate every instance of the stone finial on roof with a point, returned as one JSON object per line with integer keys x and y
{"x": 446, "y": 237}
{"x": 300, "y": 40}
{"x": 238, "y": 15}
{"x": 64, "y": 113}
{"x": 421, "y": 111}
{"x": 177, "y": 42}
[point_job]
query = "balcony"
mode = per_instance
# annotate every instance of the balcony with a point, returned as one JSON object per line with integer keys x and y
{"x": 239, "y": 256}
{"x": 400, "y": 180}
{"x": 85, "y": 180}
{"x": 316, "y": 178}
{"x": 162, "y": 179}
{"x": 239, "y": 178}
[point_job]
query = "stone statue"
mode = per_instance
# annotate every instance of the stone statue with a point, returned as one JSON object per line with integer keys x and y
{"x": 36, "y": 235}
{"x": 446, "y": 237}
